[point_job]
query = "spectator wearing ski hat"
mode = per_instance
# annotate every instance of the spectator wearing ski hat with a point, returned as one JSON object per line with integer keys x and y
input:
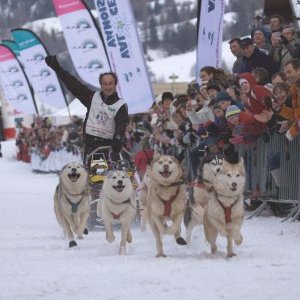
{"x": 254, "y": 58}
{"x": 260, "y": 40}
{"x": 254, "y": 94}
{"x": 245, "y": 129}
{"x": 212, "y": 89}
{"x": 223, "y": 100}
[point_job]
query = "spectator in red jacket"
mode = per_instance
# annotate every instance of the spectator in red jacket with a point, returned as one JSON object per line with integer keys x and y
{"x": 254, "y": 94}
{"x": 143, "y": 158}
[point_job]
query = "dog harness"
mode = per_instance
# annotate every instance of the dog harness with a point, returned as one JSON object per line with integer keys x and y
{"x": 74, "y": 205}
{"x": 168, "y": 203}
{"x": 227, "y": 209}
{"x": 115, "y": 216}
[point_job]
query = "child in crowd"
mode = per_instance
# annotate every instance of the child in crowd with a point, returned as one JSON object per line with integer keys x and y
{"x": 245, "y": 129}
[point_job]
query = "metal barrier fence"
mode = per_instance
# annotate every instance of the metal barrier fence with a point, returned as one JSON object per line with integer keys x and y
{"x": 273, "y": 171}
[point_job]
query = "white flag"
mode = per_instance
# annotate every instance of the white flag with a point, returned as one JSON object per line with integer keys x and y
{"x": 125, "y": 53}
{"x": 210, "y": 34}
{"x": 83, "y": 40}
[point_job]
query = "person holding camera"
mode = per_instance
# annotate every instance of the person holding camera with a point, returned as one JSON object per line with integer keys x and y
{"x": 279, "y": 51}
{"x": 107, "y": 114}
{"x": 288, "y": 40}
{"x": 197, "y": 108}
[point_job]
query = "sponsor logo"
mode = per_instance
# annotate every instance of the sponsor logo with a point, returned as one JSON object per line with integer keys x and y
{"x": 50, "y": 89}
{"x": 13, "y": 69}
{"x": 37, "y": 58}
{"x": 80, "y": 26}
{"x": 93, "y": 65}
{"x": 17, "y": 83}
{"x": 211, "y": 5}
{"x": 44, "y": 73}
{"x": 87, "y": 45}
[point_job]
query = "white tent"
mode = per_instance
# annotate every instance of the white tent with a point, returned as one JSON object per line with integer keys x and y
{"x": 61, "y": 117}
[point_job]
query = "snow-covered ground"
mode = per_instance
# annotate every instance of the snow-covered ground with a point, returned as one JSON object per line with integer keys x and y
{"x": 36, "y": 263}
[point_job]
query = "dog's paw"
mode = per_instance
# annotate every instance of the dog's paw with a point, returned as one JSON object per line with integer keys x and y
{"x": 72, "y": 244}
{"x": 110, "y": 238}
{"x": 122, "y": 250}
{"x": 160, "y": 255}
{"x": 85, "y": 231}
{"x": 230, "y": 254}
{"x": 180, "y": 241}
{"x": 238, "y": 239}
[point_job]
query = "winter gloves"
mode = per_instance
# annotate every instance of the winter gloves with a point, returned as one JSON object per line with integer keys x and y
{"x": 53, "y": 63}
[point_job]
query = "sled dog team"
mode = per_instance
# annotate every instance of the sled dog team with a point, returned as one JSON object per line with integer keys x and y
{"x": 217, "y": 202}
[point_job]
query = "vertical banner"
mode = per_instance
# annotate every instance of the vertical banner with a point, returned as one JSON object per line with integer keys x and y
{"x": 14, "y": 82}
{"x": 43, "y": 79}
{"x": 125, "y": 53}
{"x": 210, "y": 34}
{"x": 12, "y": 46}
{"x": 83, "y": 40}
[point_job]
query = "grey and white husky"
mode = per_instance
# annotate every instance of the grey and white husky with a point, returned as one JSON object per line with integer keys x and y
{"x": 211, "y": 166}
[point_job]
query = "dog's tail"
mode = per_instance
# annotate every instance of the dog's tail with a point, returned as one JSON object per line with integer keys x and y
{"x": 187, "y": 216}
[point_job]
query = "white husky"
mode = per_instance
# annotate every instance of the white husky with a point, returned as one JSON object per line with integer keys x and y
{"x": 211, "y": 166}
{"x": 71, "y": 201}
{"x": 166, "y": 200}
{"x": 224, "y": 212}
{"x": 117, "y": 202}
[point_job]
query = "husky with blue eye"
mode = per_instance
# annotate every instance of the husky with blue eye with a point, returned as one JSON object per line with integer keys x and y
{"x": 224, "y": 212}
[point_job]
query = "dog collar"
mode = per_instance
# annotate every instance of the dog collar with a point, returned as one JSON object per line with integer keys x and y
{"x": 124, "y": 202}
{"x": 115, "y": 216}
{"x": 177, "y": 183}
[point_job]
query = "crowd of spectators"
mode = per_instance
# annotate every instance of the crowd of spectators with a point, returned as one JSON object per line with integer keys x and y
{"x": 48, "y": 148}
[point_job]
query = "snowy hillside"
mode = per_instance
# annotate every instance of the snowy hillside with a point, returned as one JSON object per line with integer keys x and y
{"x": 183, "y": 65}
{"x": 36, "y": 263}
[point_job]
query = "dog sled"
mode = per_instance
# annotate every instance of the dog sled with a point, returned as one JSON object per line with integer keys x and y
{"x": 100, "y": 163}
